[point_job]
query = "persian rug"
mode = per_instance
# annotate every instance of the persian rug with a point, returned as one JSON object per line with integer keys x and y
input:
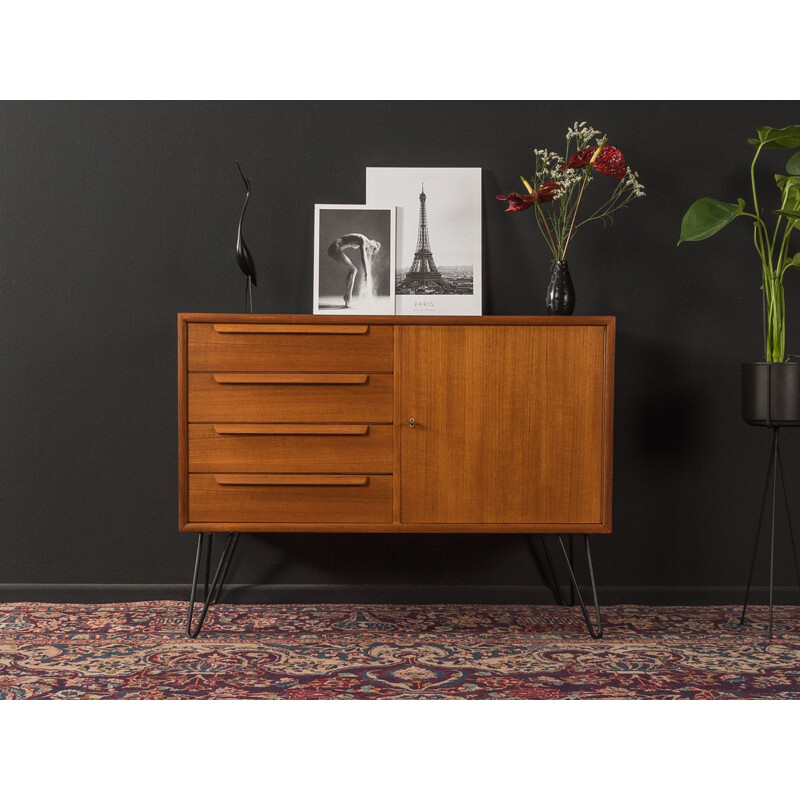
{"x": 139, "y": 651}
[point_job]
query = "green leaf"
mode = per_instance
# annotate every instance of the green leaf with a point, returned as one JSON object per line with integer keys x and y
{"x": 771, "y": 138}
{"x": 787, "y": 213}
{"x": 793, "y": 165}
{"x": 706, "y": 216}
{"x": 791, "y": 199}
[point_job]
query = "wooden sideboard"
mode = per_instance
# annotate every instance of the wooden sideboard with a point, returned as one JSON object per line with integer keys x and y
{"x": 375, "y": 424}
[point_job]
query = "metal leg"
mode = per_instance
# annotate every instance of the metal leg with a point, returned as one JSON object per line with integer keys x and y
{"x": 556, "y": 585}
{"x": 760, "y": 523}
{"x": 772, "y": 531}
{"x": 572, "y": 564}
{"x": 226, "y": 567}
{"x": 212, "y": 591}
{"x": 208, "y": 566}
{"x": 788, "y": 516}
{"x": 594, "y": 633}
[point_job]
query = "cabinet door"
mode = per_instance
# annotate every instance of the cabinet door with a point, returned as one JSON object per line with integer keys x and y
{"x": 508, "y": 424}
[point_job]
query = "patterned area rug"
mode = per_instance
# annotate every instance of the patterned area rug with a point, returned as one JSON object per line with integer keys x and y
{"x": 139, "y": 651}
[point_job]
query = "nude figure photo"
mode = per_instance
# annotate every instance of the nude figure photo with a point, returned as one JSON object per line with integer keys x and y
{"x": 354, "y": 260}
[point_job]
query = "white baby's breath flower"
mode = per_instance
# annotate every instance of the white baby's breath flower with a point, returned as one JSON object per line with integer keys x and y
{"x": 631, "y": 183}
{"x": 581, "y": 134}
{"x": 547, "y": 166}
{"x": 573, "y": 131}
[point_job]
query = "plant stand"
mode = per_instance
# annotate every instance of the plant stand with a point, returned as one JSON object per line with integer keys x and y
{"x": 774, "y": 471}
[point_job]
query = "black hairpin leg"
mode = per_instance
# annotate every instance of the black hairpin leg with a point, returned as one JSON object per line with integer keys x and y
{"x": 774, "y": 471}
{"x": 595, "y": 633}
{"x": 554, "y": 576}
{"x": 211, "y": 593}
{"x": 571, "y": 560}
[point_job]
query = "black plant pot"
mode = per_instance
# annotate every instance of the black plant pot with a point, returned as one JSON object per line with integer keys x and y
{"x": 771, "y": 393}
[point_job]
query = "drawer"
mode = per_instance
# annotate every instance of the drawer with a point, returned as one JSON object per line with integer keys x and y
{"x": 296, "y": 348}
{"x": 237, "y": 447}
{"x": 253, "y": 497}
{"x": 290, "y": 397}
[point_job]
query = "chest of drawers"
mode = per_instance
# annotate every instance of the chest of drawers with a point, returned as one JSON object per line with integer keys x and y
{"x": 380, "y": 424}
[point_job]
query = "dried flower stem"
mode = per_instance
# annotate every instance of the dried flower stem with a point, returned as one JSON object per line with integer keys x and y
{"x": 547, "y": 228}
{"x": 580, "y": 195}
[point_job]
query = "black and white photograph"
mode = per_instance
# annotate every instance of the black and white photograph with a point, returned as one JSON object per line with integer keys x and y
{"x": 354, "y": 259}
{"x": 438, "y": 236}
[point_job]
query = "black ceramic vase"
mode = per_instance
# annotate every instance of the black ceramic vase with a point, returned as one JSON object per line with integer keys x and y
{"x": 560, "y": 299}
{"x": 771, "y": 393}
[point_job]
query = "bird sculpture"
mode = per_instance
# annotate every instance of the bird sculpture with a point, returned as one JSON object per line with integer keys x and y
{"x": 243, "y": 257}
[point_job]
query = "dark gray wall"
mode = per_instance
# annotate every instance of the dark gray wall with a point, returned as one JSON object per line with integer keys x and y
{"x": 115, "y": 216}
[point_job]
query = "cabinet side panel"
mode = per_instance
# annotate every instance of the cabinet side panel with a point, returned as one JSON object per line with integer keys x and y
{"x": 608, "y": 432}
{"x": 183, "y": 459}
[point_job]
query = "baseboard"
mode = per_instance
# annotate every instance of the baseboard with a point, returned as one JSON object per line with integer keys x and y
{"x": 425, "y": 594}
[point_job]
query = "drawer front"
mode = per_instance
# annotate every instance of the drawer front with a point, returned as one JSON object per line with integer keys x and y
{"x": 338, "y": 348}
{"x": 293, "y": 397}
{"x": 290, "y": 498}
{"x": 290, "y": 448}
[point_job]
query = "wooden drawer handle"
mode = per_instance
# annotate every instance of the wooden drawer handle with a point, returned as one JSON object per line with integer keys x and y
{"x": 337, "y": 329}
{"x": 289, "y": 378}
{"x": 291, "y": 430}
{"x": 290, "y": 480}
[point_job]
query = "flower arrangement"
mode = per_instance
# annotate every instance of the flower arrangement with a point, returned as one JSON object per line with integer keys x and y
{"x": 707, "y": 216}
{"x": 560, "y": 184}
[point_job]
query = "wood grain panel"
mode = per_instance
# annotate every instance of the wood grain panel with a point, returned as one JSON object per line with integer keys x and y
{"x": 290, "y": 448}
{"x": 368, "y": 402}
{"x": 209, "y": 501}
{"x": 324, "y": 350}
{"x": 509, "y": 424}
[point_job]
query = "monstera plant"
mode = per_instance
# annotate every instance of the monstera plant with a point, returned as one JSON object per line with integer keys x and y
{"x": 772, "y": 232}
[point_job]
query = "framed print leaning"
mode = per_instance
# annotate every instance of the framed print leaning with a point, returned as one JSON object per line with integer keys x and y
{"x": 354, "y": 257}
{"x": 438, "y": 236}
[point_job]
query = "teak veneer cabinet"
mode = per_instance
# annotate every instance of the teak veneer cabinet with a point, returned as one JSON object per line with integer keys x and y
{"x": 375, "y": 424}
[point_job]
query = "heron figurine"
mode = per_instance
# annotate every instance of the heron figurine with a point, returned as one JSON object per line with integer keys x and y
{"x": 243, "y": 257}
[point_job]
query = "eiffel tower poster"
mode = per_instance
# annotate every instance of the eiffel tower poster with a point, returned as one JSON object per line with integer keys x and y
{"x": 423, "y": 274}
{"x": 438, "y": 236}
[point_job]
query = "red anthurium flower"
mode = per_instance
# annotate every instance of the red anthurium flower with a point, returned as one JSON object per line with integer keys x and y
{"x": 610, "y": 161}
{"x": 519, "y": 202}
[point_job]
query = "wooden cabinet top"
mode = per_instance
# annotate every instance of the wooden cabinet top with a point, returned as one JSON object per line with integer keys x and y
{"x": 348, "y": 319}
